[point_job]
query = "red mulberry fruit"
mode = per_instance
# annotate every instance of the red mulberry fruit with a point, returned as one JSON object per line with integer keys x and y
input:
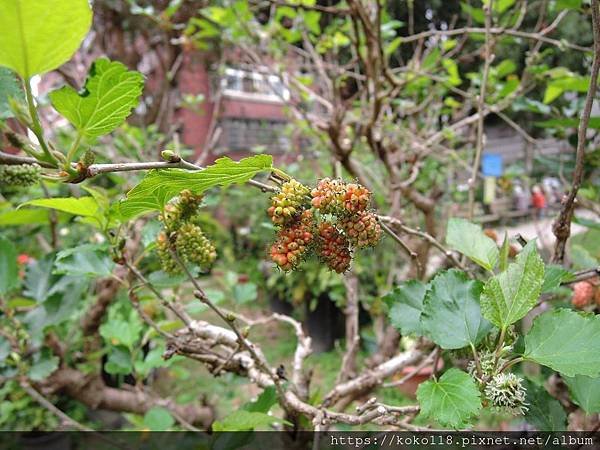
{"x": 334, "y": 248}
{"x": 292, "y": 244}
{"x": 583, "y": 293}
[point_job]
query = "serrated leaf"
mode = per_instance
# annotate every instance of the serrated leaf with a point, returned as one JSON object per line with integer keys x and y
{"x": 89, "y": 260}
{"x": 454, "y": 299}
{"x": 158, "y": 419}
{"x": 469, "y": 239}
{"x": 509, "y": 296}
{"x": 452, "y": 401}
{"x": 118, "y": 361}
{"x": 405, "y": 304}
{"x": 40, "y": 36}
{"x": 9, "y": 269}
{"x": 83, "y": 206}
{"x": 39, "y": 279}
{"x": 585, "y": 392}
{"x": 564, "y": 341}
{"x": 504, "y": 253}
{"x": 543, "y": 411}
{"x": 160, "y": 186}
{"x": 242, "y": 420}
{"x": 109, "y": 95}
{"x": 9, "y": 88}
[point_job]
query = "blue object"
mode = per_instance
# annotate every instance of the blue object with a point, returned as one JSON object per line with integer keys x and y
{"x": 491, "y": 164}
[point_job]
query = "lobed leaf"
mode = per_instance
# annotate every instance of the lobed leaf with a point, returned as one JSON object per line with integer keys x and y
{"x": 405, "y": 303}
{"x": 451, "y": 313}
{"x": 110, "y": 94}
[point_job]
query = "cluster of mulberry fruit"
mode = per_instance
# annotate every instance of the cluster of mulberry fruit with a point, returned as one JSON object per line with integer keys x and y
{"x": 183, "y": 235}
{"x": 20, "y": 175}
{"x": 330, "y": 221}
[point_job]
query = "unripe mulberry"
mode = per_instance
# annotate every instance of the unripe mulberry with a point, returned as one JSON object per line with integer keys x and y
{"x": 20, "y": 175}
{"x": 329, "y": 195}
{"x": 293, "y": 243}
{"x": 334, "y": 248}
{"x": 193, "y": 246}
{"x": 182, "y": 210}
{"x": 288, "y": 203}
{"x": 506, "y": 393}
{"x": 163, "y": 249}
{"x": 356, "y": 198}
{"x": 583, "y": 293}
{"x": 362, "y": 229}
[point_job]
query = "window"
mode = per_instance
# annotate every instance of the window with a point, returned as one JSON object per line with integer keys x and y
{"x": 245, "y": 134}
{"x": 244, "y": 83}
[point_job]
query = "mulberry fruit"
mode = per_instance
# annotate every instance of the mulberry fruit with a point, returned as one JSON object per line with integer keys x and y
{"x": 293, "y": 243}
{"x": 163, "y": 249}
{"x": 288, "y": 203}
{"x": 334, "y": 248}
{"x": 362, "y": 229}
{"x": 583, "y": 293}
{"x": 597, "y": 296}
{"x": 329, "y": 195}
{"x": 356, "y": 198}
{"x": 20, "y": 175}
{"x": 182, "y": 210}
{"x": 506, "y": 393}
{"x": 193, "y": 246}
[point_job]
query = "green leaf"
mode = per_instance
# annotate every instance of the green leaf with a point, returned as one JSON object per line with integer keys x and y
{"x": 158, "y": 419}
{"x": 83, "y": 206}
{"x": 9, "y": 88}
{"x": 564, "y": 341}
{"x": 160, "y": 186}
{"x": 40, "y": 36}
{"x": 469, "y": 239}
{"x": 504, "y": 253}
{"x": 552, "y": 92}
{"x": 554, "y": 275}
{"x": 89, "y": 260}
{"x": 245, "y": 293}
{"x": 454, "y": 299}
{"x": 9, "y": 269}
{"x": 405, "y": 304}
{"x": 118, "y": 361}
{"x": 392, "y": 46}
{"x": 567, "y": 4}
{"x": 43, "y": 365}
{"x": 109, "y": 95}
{"x": 476, "y": 13}
{"x": 125, "y": 332}
{"x": 502, "y": 5}
{"x": 242, "y": 420}
{"x": 23, "y": 217}
{"x": 506, "y": 67}
{"x": 451, "y": 401}
{"x": 585, "y": 392}
{"x": 507, "y": 297}
{"x": 543, "y": 411}
{"x": 39, "y": 279}
{"x": 264, "y": 402}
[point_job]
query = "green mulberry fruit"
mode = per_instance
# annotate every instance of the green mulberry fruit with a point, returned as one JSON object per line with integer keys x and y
{"x": 193, "y": 246}
{"x": 289, "y": 202}
{"x": 20, "y": 175}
